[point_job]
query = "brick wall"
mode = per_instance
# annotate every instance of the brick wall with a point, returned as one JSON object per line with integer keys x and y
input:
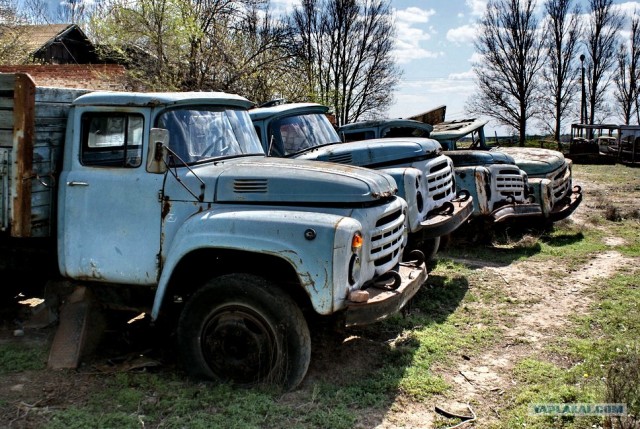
{"x": 89, "y": 76}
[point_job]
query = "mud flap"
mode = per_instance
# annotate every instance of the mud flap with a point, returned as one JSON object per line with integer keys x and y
{"x": 78, "y": 330}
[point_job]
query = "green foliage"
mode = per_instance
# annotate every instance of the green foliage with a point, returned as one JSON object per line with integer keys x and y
{"x": 21, "y": 357}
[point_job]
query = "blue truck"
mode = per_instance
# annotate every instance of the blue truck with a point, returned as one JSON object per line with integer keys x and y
{"x": 549, "y": 173}
{"x": 165, "y": 203}
{"x": 425, "y": 177}
{"x": 506, "y": 183}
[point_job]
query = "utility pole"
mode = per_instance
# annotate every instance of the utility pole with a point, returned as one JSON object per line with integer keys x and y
{"x": 583, "y": 102}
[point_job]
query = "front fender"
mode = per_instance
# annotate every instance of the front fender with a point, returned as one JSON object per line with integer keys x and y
{"x": 477, "y": 181}
{"x": 542, "y": 190}
{"x": 409, "y": 184}
{"x": 317, "y": 261}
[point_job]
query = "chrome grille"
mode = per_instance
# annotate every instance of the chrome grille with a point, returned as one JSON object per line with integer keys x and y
{"x": 386, "y": 240}
{"x": 561, "y": 183}
{"x": 509, "y": 181}
{"x": 440, "y": 180}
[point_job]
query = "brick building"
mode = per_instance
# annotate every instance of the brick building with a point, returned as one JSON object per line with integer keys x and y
{"x": 61, "y": 55}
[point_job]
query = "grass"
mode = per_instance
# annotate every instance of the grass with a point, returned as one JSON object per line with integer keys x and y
{"x": 22, "y": 357}
{"x": 608, "y": 334}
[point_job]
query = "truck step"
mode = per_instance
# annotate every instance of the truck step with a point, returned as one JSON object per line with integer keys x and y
{"x": 75, "y": 334}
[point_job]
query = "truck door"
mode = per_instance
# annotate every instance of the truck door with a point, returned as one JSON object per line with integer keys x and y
{"x": 109, "y": 210}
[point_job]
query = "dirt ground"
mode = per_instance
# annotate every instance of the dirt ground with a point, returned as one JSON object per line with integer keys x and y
{"x": 546, "y": 301}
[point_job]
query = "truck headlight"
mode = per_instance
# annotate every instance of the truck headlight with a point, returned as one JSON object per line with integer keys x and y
{"x": 355, "y": 264}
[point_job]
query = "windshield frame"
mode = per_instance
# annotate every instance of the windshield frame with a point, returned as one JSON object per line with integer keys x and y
{"x": 201, "y": 133}
{"x": 304, "y": 132}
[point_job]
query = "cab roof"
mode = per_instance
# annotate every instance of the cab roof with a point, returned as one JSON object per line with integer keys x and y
{"x": 151, "y": 99}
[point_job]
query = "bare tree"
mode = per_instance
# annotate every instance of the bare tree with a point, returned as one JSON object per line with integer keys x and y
{"x": 66, "y": 12}
{"x": 265, "y": 65}
{"x": 72, "y": 12}
{"x": 560, "y": 81}
{"x": 628, "y": 73}
{"x": 312, "y": 49}
{"x": 347, "y": 46}
{"x": 13, "y": 50}
{"x": 512, "y": 57}
{"x": 601, "y": 42}
{"x": 37, "y": 12}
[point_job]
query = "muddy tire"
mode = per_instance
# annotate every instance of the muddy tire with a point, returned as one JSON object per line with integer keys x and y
{"x": 244, "y": 330}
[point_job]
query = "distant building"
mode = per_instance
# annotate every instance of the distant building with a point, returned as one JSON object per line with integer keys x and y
{"x": 59, "y": 55}
{"x": 51, "y": 44}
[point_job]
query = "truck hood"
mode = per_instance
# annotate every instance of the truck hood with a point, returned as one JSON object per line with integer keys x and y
{"x": 376, "y": 152}
{"x": 469, "y": 158}
{"x": 276, "y": 180}
{"x": 534, "y": 161}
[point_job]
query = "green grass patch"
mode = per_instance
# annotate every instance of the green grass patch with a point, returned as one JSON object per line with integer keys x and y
{"x": 602, "y": 352}
{"x": 18, "y": 357}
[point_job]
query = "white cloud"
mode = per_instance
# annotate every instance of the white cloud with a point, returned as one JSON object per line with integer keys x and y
{"x": 284, "y": 6}
{"x": 476, "y": 58}
{"x": 467, "y": 75}
{"x": 477, "y": 7}
{"x": 410, "y": 35}
{"x": 419, "y": 96}
{"x": 462, "y": 35}
{"x": 628, "y": 8}
{"x": 412, "y": 15}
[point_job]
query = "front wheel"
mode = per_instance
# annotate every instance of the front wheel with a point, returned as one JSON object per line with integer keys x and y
{"x": 242, "y": 329}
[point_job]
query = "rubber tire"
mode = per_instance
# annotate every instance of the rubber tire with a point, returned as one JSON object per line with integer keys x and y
{"x": 252, "y": 321}
{"x": 430, "y": 248}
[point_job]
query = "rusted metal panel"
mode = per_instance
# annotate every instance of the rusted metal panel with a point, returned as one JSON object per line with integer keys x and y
{"x": 80, "y": 327}
{"x": 22, "y": 154}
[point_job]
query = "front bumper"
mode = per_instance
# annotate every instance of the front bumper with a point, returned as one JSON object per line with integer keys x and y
{"x": 516, "y": 210}
{"x": 383, "y": 302}
{"x": 566, "y": 206}
{"x": 449, "y": 219}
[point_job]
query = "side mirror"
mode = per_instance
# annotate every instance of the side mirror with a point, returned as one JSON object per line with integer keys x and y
{"x": 157, "y": 154}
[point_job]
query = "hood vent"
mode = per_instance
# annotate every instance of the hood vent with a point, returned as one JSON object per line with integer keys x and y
{"x": 344, "y": 158}
{"x": 244, "y": 186}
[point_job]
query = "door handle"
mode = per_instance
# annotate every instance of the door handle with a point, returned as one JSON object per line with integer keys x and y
{"x": 77, "y": 184}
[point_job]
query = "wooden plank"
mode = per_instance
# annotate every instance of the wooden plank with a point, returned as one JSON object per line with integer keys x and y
{"x": 7, "y": 80}
{"x": 6, "y": 103}
{"x": 51, "y": 111}
{"x": 6, "y": 137}
{"x": 6, "y": 120}
{"x": 50, "y": 138}
{"x": 58, "y": 95}
{"x": 22, "y": 154}
{"x": 4, "y": 187}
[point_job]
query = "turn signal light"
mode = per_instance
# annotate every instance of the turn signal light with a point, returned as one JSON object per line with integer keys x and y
{"x": 356, "y": 242}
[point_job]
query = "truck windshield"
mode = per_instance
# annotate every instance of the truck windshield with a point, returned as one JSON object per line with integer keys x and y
{"x": 198, "y": 134}
{"x": 303, "y": 132}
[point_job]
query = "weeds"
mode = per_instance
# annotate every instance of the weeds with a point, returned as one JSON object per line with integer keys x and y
{"x": 623, "y": 387}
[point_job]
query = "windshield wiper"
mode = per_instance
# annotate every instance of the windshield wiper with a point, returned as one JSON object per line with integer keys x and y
{"x": 300, "y": 152}
{"x": 174, "y": 173}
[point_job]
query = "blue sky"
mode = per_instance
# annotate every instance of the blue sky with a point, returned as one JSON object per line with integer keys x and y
{"x": 434, "y": 49}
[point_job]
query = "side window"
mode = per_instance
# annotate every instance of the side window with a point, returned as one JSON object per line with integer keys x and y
{"x": 112, "y": 140}
{"x": 358, "y": 135}
{"x": 405, "y": 132}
